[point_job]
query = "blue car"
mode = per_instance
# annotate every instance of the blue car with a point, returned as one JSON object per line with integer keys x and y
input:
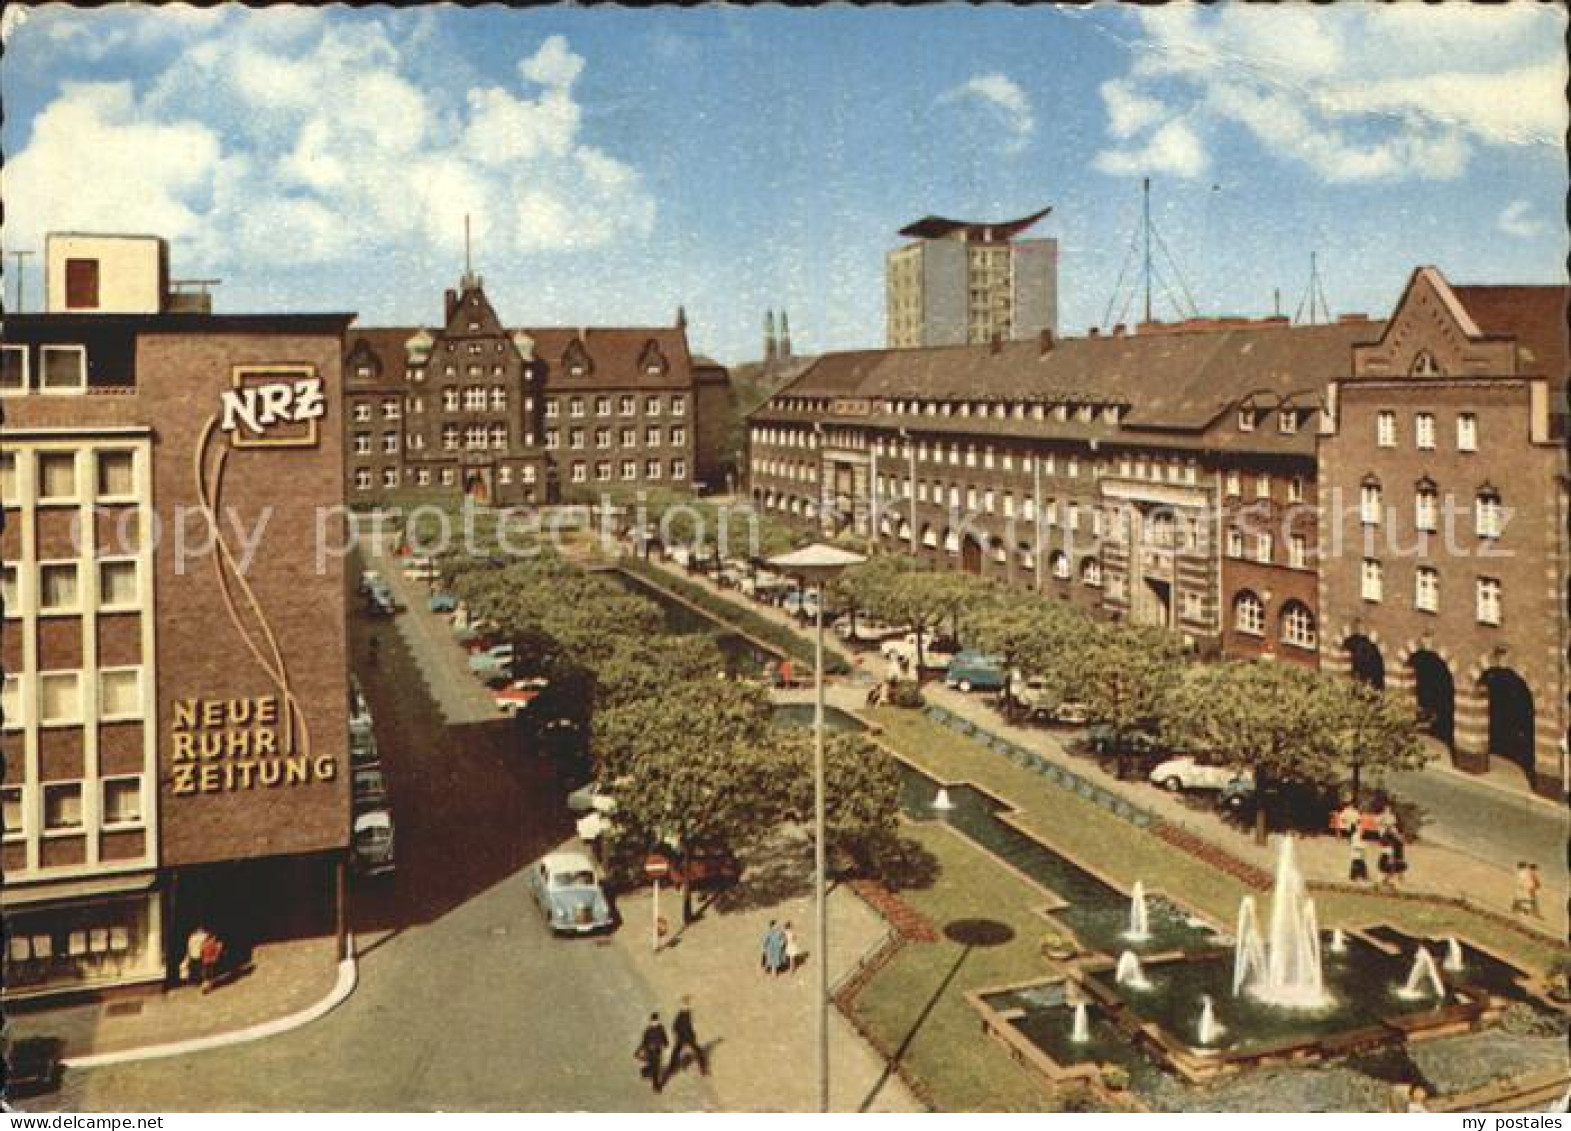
{"x": 973, "y": 671}
{"x": 443, "y": 602}
{"x": 567, "y": 890}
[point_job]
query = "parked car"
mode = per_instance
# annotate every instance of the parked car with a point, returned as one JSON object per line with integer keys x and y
{"x": 421, "y": 569}
{"x": 443, "y": 602}
{"x": 373, "y": 842}
{"x": 937, "y": 653}
{"x": 567, "y": 890}
{"x": 515, "y": 696}
{"x": 1188, "y": 773}
{"x": 370, "y": 579}
{"x": 801, "y": 603}
{"x": 762, "y": 584}
{"x": 591, "y": 798}
{"x": 1106, "y": 739}
{"x": 973, "y": 671}
{"x": 865, "y": 630}
{"x": 369, "y": 788}
{"x": 380, "y": 602}
{"x": 496, "y": 660}
{"x": 362, "y": 748}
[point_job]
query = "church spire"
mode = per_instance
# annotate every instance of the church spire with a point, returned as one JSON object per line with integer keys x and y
{"x": 769, "y": 336}
{"x": 783, "y": 346}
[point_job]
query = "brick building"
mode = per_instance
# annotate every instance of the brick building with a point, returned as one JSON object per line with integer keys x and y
{"x": 1123, "y": 473}
{"x": 511, "y": 417}
{"x": 1443, "y": 483}
{"x": 174, "y": 710}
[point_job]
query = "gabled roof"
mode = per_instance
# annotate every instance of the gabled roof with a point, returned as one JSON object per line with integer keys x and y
{"x": 1534, "y": 316}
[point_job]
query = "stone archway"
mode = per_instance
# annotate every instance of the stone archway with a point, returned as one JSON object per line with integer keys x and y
{"x": 1365, "y": 663}
{"x": 1512, "y": 717}
{"x": 1434, "y": 693}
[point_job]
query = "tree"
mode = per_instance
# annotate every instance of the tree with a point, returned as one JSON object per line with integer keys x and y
{"x": 1125, "y": 676}
{"x": 1043, "y": 639}
{"x": 644, "y": 667}
{"x": 861, "y": 794}
{"x": 1374, "y": 731}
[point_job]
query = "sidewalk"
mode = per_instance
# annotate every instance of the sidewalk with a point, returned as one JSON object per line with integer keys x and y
{"x": 285, "y": 978}
{"x": 1434, "y": 866}
{"x": 760, "y": 1031}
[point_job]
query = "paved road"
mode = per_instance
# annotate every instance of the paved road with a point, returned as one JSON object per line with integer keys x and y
{"x": 465, "y": 1003}
{"x": 1487, "y": 822}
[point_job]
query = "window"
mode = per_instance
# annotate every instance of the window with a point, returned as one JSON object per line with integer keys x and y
{"x": 116, "y": 476}
{"x": 580, "y": 473}
{"x": 1426, "y": 589}
{"x": 1287, "y": 421}
{"x": 678, "y": 405}
{"x": 56, "y": 477}
{"x": 450, "y": 437}
{"x": 651, "y": 406}
{"x": 474, "y": 437}
{"x": 390, "y": 409}
{"x": 629, "y": 437}
{"x": 8, "y": 477}
{"x": 498, "y": 399}
{"x": 629, "y": 470}
{"x": 13, "y": 369}
{"x": 678, "y": 437}
{"x": 1235, "y": 544}
{"x": 627, "y": 406}
{"x": 1262, "y": 487}
{"x": 1298, "y": 625}
{"x": 1369, "y": 503}
{"x": 652, "y": 437}
{"x": 1426, "y": 507}
{"x": 1466, "y": 432}
{"x": 120, "y": 693}
{"x": 81, "y": 284}
{"x": 390, "y": 477}
{"x": 1263, "y": 547}
{"x": 122, "y": 801}
{"x": 449, "y": 401}
{"x": 603, "y": 472}
{"x": 652, "y": 469}
{"x": 602, "y": 406}
{"x": 423, "y": 477}
{"x": 550, "y": 410}
{"x": 62, "y": 806}
{"x": 117, "y": 585}
{"x": 447, "y": 477}
{"x": 1249, "y": 615}
{"x": 1488, "y": 600}
{"x": 362, "y": 443}
{"x": 64, "y": 369}
{"x": 474, "y": 398}
{"x": 1297, "y": 551}
{"x": 1235, "y": 485}
{"x": 575, "y": 439}
{"x": 1059, "y": 562}
{"x": 1488, "y": 513}
{"x": 1246, "y": 420}
{"x": 59, "y": 698}
{"x": 678, "y": 469}
{"x": 15, "y": 826}
{"x": 390, "y": 443}
{"x": 11, "y": 703}
{"x": 8, "y": 594}
{"x": 1424, "y": 431}
{"x": 363, "y": 479}
{"x": 1373, "y": 580}
{"x": 1193, "y": 605}
{"x": 575, "y": 407}
{"x": 552, "y": 440}
{"x": 1295, "y": 490}
{"x": 1091, "y": 573}
{"x": 57, "y": 589}
{"x": 602, "y": 437}
{"x": 1385, "y": 429}
{"x": 498, "y": 437}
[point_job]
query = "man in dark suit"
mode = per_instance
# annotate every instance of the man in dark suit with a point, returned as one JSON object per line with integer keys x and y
{"x": 651, "y": 1051}
{"x": 686, "y": 1038}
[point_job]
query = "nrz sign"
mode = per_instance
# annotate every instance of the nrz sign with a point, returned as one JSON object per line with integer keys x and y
{"x": 273, "y": 407}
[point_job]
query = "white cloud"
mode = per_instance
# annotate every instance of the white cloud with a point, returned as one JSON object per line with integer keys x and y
{"x": 289, "y": 138}
{"x": 1172, "y": 149}
{"x": 1353, "y": 92}
{"x": 1005, "y": 103}
{"x": 1517, "y": 220}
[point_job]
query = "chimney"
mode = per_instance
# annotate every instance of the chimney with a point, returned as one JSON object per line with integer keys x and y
{"x": 1118, "y": 330}
{"x": 1044, "y": 340}
{"x": 1094, "y": 332}
{"x": 452, "y": 305}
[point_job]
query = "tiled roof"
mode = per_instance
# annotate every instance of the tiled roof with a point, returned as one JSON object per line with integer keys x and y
{"x": 1534, "y": 316}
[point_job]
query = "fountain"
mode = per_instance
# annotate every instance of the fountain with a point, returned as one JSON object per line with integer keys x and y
{"x": 1128, "y": 972}
{"x": 1338, "y": 941}
{"x": 1139, "y": 925}
{"x": 1210, "y": 1029}
{"x": 1081, "y": 1032}
{"x": 1454, "y": 962}
{"x": 1423, "y": 979}
{"x": 941, "y": 802}
{"x": 1283, "y": 969}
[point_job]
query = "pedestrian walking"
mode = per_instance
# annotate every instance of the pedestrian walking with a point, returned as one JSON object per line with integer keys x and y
{"x": 1398, "y": 848}
{"x": 651, "y": 1052}
{"x": 767, "y": 947}
{"x": 793, "y": 949}
{"x": 1535, "y": 884}
{"x": 1347, "y": 820}
{"x": 775, "y": 950}
{"x": 1357, "y": 866}
{"x": 212, "y": 955}
{"x": 875, "y": 695}
{"x": 1522, "y": 902}
{"x": 1386, "y": 822}
{"x": 191, "y": 964}
{"x": 1383, "y": 864}
{"x": 686, "y": 1037}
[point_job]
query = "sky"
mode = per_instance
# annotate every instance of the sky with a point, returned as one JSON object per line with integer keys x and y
{"x": 619, "y": 163}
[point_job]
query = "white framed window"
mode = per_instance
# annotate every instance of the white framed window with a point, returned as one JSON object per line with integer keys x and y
{"x": 1426, "y": 507}
{"x": 526, "y": 474}
{"x": 603, "y": 471}
{"x": 1424, "y": 431}
{"x": 1489, "y": 594}
{"x": 119, "y": 694}
{"x": 450, "y": 397}
{"x": 1235, "y": 543}
{"x": 678, "y": 437}
{"x": 580, "y": 473}
{"x": 678, "y": 469}
{"x": 1488, "y": 513}
{"x": 390, "y": 409}
{"x": 390, "y": 443}
{"x": 627, "y": 406}
{"x": 1249, "y": 614}
{"x": 1385, "y": 429}
{"x": 1370, "y": 503}
{"x": 475, "y": 438}
{"x": 448, "y": 477}
{"x": 1373, "y": 580}
{"x": 13, "y": 370}
{"x": 12, "y": 802}
{"x": 575, "y": 439}
{"x": 1295, "y": 490}
{"x": 498, "y": 399}
{"x": 498, "y": 437}
{"x": 363, "y": 479}
{"x": 678, "y": 405}
{"x": 652, "y": 437}
{"x": 1466, "y": 432}
{"x": 552, "y": 440}
{"x": 1091, "y": 573}
{"x": 629, "y": 470}
{"x": 629, "y": 437}
{"x": 63, "y": 369}
{"x": 1262, "y": 486}
{"x": 122, "y": 802}
{"x": 62, "y": 807}
{"x": 8, "y": 591}
{"x": 652, "y": 469}
{"x": 551, "y": 409}
{"x": 575, "y": 408}
{"x": 1297, "y": 551}
{"x": 12, "y": 703}
{"x": 118, "y": 584}
{"x": 59, "y": 698}
{"x": 504, "y": 476}
{"x": 1287, "y": 421}
{"x": 362, "y": 443}
{"x": 116, "y": 479}
{"x": 390, "y": 477}
{"x": 602, "y": 406}
{"x": 1426, "y": 589}
{"x": 474, "y": 398}
{"x": 450, "y": 437}
{"x": 602, "y": 438}
{"x": 1234, "y": 485}
{"x": 1263, "y": 547}
{"x": 57, "y": 481}
{"x": 651, "y": 406}
{"x": 423, "y": 477}
{"x": 1059, "y": 563}
{"x": 1298, "y": 625}
{"x": 363, "y": 413}
{"x": 59, "y": 590}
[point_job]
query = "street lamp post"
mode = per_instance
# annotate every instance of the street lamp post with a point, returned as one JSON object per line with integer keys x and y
{"x": 819, "y": 563}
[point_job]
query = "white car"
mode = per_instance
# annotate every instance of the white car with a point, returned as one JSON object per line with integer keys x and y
{"x": 1183, "y": 773}
{"x": 421, "y": 569}
{"x": 373, "y": 842}
{"x": 591, "y": 798}
{"x": 937, "y": 654}
{"x": 866, "y": 630}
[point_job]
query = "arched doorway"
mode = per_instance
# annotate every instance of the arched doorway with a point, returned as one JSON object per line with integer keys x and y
{"x": 1511, "y": 717}
{"x": 1364, "y": 658}
{"x": 971, "y": 555}
{"x": 1435, "y": 693}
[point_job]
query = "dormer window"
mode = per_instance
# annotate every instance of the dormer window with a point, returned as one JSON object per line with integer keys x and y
{"x": 1287, "y": 421}
{"x": 576, "y": 360}
{"x": 1424, "y": 365}
{"x": 1246, "y": 420}
{"x": 651, "y": 361}
{"x": 474, "y": 325}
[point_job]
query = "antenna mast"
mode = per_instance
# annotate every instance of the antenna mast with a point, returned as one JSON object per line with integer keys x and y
{"x": 1145, "y": 188}
{"x": 21, "y": 271}
{"x": 468, "y": 266}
